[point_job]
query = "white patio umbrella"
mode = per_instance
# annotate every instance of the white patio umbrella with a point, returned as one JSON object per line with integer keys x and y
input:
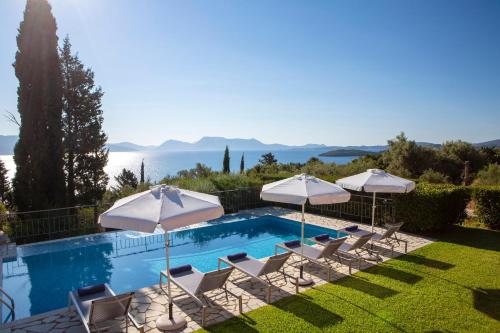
{"x": 170, "y": 207}
{"x": 297, "y": 190}
{"x": 376, "y": 181}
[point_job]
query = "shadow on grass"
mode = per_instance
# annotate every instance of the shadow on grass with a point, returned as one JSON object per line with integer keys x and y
{"x": 367, "y": 287}
{"x": 302, "y": 307}
{"x": 370, "y": 313}
{"x": 298, "y": 305}
{"x": 395, "y": 274}
{"x": 488, "y": 302}
{"x": 421, "y": 260}
{"x": 473, "y": 237}
{"x": 240, "y": 324}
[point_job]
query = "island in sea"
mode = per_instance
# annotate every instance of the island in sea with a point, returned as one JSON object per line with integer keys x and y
{"x": 348, "y": 152}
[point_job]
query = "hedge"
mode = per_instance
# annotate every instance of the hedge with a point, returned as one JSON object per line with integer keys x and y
{"x": 432, "y": 207}
{"x": 487, "y": 199}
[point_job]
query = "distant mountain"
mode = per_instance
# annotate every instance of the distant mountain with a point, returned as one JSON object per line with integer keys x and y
{"x": 348, "y": 152}
{"x": 216, "y": 143}
{"x": 490, "y": 144}
{"x": 127, "y": 147}
{"x": 7, "y": 143}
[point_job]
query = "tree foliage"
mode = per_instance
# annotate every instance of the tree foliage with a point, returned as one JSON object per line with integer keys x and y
{"x": 126, "y": 179}
{"x": 242, "y": 164}
{"x": 268, "y": 159}
{"x": 226, "y": 162}
{"x": 86, "y": 154}
{"x": 5, "y": 190}
{"x": 142, "y": 172}
{"x": 39, "y": 182}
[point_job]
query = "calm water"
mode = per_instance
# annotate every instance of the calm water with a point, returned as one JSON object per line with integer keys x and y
{"x": 130, "y": 260}
{"x": 158, "y": 165}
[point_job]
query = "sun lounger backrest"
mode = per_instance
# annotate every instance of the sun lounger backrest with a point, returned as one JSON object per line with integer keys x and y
{"x": 361, "y": 241}
{"x": 332, "y": 246}
{"x": 391, "y": 230}
{"x": 274, "y": 263}
{"x": 214, "y": 280}
{"x": 110, "y": 307}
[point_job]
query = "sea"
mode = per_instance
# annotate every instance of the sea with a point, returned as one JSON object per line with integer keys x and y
{"x": 157, "y": 165}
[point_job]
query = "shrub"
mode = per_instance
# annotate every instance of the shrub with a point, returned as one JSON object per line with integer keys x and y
{"x": 489, "y": 175}
{"x": 431, "y": 207}
{"x": 487, "y": 199}
{"x": 433, "y": 177}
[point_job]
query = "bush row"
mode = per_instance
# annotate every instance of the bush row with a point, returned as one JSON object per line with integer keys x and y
{"x": 434, "y": 207}
{"x": 487, "y": 201}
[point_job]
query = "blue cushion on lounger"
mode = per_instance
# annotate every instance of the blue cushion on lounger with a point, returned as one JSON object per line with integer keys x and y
{"x": 180, "y": 269}
{"x": 293, "y": 243}
{"x": 351, "y": 228}
{"x": 90, "y": 290}
{"x": 322, "y": 237}
{"x": 237, "y": 256}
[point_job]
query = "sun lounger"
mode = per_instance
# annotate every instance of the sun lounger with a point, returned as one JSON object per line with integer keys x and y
{"x": 388, "y": 238}
{"x": 314, "y": 254}
{"x": 98, "y": 304}
{"x": 195, "y": 283}
{"x": 257, "y": 269}
{"x": 354, "y": 250}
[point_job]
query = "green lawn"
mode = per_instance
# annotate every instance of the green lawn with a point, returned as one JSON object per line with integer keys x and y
{"x": 449, "y": 286}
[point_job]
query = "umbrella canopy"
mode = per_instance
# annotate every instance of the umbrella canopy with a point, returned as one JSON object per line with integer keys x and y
{"x": 166, "y": 205}
{"x": 300, "y": 188}
{"x": 297, "y": 190}
{"x": 376, "y": 180}
{"x": 170, "y": 207}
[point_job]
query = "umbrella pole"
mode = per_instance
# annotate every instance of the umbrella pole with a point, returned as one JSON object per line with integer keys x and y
{"x": 302, "y": 280}
{"x": 169, "y": 322}
{"x": 373, "y": 211}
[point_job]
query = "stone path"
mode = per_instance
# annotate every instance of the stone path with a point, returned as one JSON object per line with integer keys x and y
{"x": 149, "y": 303}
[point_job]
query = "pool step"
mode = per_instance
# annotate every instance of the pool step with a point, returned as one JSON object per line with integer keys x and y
{"x": 8, "y": 251}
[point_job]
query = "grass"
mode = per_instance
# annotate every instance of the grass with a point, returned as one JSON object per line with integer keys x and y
{"x": 452, "y": 285}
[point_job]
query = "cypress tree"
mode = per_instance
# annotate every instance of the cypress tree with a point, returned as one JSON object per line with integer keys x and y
{"x": 225, "y": 162}
{"x": 38, "y": 154}
{"x": 242, "y": 163}
{"x": 142, "y": 172}
{"x": 86, "y": 154}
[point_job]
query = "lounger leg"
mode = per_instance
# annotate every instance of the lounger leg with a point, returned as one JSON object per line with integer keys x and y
{"x": 269, "y": 294}
{"x": 203, "y": 315}
{"x": 126, "y": 324}
{"x": 240, "y": 303}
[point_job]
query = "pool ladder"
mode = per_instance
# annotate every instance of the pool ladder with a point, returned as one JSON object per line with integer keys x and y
{"x": 10, "y": 305}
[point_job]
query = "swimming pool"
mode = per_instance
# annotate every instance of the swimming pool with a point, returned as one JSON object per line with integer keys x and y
{"x": 42, "y": 275}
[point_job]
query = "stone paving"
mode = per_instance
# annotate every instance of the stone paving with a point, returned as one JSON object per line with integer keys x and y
{"x": 150, "y": 303}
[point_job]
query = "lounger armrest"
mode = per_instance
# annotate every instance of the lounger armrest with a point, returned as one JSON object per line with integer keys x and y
{"x": 109, "y": 290}
{"x": 135, "y": 323}
{"x": 73, "y": 299}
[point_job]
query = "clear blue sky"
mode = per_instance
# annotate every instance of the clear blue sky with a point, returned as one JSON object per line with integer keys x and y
{"x": 333, "y": 72}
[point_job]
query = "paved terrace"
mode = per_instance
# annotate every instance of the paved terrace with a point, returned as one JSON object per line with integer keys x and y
{"x": 149, "y": 303}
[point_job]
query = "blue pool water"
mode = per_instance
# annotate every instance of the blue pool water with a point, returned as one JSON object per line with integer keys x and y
{"x": 43, "y": 273}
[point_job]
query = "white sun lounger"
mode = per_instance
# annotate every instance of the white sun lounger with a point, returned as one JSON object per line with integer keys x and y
{"x": 195, "y": 283}
{"x": 315, "y": 254}
{"x": 257, "y": 269}
{"x": 99, "y": 304}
